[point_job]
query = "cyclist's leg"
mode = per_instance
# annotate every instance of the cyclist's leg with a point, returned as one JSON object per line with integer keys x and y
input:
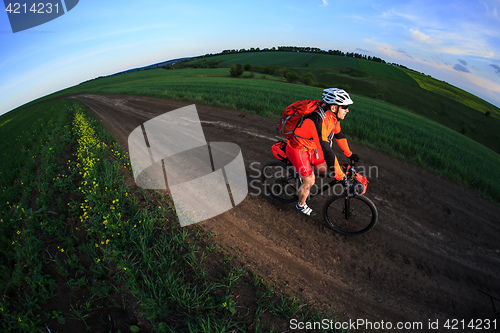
{"x": 305, "y": 188}
{"x": 301, "y": 160}
{"x": 321, "y": 169}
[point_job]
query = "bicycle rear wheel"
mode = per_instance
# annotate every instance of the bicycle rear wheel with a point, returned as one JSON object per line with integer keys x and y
{"x": 279, "y": 181}
{"x": 350, "y": 215}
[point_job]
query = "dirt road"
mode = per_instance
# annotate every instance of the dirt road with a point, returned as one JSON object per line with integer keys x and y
{"x": 435, "y": 246}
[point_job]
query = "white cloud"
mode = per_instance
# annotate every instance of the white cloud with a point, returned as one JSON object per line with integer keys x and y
{"x": 491, "y": 8}
{"x": 440, "y": 27}
{"x": 420, "y": 36}
{"x": 391, "y": 51}
{"x": 394, "y": 14}
{"x": 460, "y": 44}
{"x": 325, "y": 3}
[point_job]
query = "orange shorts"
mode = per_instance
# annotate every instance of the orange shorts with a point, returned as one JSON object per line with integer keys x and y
{"x": 303, "y": 160}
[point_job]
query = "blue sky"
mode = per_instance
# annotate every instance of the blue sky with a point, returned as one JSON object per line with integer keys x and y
{"x": 455, "y": 41}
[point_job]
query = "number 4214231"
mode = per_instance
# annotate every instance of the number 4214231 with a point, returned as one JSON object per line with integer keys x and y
{"x": 35, "y": 8}
{"x": 474, "y": 324}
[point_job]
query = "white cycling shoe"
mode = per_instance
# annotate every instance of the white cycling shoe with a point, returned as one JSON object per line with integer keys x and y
{"x": 305, "y": 210}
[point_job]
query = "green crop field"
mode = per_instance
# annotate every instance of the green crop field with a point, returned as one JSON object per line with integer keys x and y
{"x": 286, "y": 59}
{"x": 392, "y": 72}
{"x": 446, "y": 90}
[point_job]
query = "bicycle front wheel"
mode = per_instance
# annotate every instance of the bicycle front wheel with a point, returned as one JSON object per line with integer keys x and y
{"x": 350, "y": 215}
{"x": 279, "y": 181}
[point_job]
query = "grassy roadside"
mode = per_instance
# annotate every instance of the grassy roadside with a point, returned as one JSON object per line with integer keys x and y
{"x": 28, "y": 164}
{"x": 81, "y": 250}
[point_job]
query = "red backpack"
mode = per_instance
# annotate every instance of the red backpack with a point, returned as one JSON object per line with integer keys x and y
{"x": 293, "y": 116}
{"x": 279, "y": 151}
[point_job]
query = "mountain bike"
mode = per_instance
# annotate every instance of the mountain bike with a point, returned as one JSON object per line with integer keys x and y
{"x": 348, "y": 212}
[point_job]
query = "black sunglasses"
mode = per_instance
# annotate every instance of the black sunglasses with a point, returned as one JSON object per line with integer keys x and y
{"x": 344, "y": 107}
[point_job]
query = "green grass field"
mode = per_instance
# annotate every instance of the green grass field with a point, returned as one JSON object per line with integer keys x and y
{"x": 385, "y": 70}
{"x": 445, "y": 89}
{"x": 286, "y": 59}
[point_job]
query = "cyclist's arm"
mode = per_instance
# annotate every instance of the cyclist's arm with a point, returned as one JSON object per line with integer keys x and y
{"x": 341, "y": 140}
{"x": 324, "y": 143}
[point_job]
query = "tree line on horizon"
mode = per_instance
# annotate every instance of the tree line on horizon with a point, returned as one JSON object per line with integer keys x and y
{"x": 305, "y": 49}
{"x": 214, "y": 64}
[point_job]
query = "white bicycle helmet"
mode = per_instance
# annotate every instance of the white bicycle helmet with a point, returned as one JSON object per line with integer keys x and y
{"x": 336, "y": 96}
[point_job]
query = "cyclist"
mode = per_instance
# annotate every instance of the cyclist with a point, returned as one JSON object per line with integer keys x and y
{"x": 310, "y": 148}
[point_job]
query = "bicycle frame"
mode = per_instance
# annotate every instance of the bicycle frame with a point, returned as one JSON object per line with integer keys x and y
{"x": 347, "y": 184}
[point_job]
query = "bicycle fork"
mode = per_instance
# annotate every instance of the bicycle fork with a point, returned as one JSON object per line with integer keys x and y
{"x": 347, "y": 201}
{"x": 347, "y": 208}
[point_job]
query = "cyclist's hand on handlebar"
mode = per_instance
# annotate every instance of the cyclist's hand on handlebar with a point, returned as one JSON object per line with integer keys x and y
{"x": 354, "y": 157}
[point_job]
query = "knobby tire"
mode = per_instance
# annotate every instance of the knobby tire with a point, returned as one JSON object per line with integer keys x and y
{"x": 350, "y": 215}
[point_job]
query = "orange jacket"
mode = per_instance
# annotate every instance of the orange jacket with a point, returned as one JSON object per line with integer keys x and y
{"x": 316, "y": 133}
